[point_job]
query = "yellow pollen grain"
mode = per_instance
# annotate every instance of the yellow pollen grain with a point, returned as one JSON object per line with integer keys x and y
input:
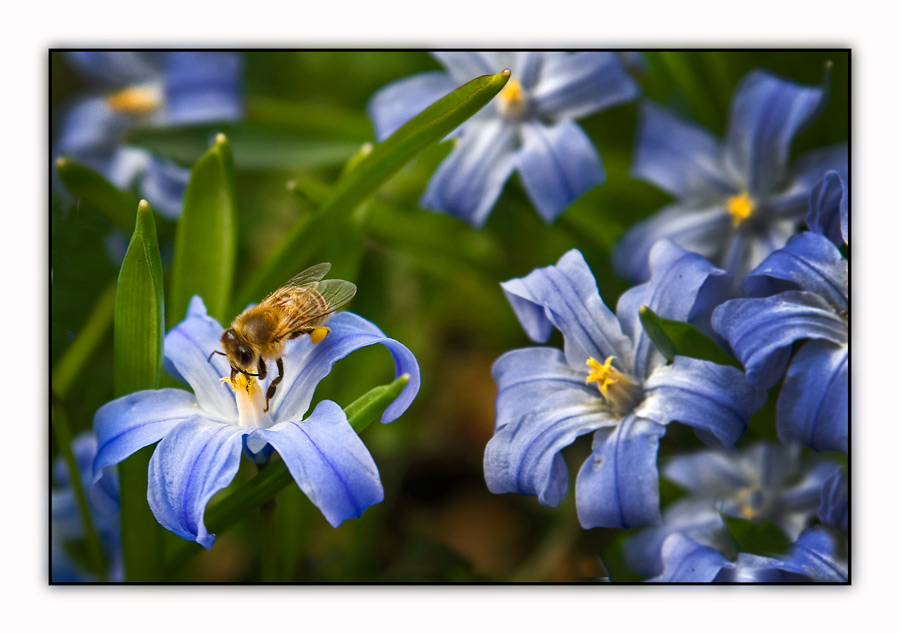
{"x": 740, "y": 207}
{"x": 319, "y": 333}
{"x": 241, "y": 382}
{"x": 603, "y": 374}
{"x": 512, "y": 98}
{"x": 134, "y": 100}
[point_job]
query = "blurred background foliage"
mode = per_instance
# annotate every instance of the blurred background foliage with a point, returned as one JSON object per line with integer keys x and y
{"x": 427, "y": 280}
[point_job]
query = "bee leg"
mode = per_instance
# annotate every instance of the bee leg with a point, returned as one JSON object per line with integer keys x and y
{"x": 271, "y": 391}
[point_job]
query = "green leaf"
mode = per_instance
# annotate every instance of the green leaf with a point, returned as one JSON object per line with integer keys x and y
{"x": 94, "y": 190}
{"x": 255, "y": 492}
{"x": 256, "y": 147}
{"x": 386, "y": 159}
{"x": 680, "y": 338}
{"x": 137, "y": 364}
{"x": 76, "y": 357}
{"x": 205, "y": 239}
{"x": 757, "y": 537}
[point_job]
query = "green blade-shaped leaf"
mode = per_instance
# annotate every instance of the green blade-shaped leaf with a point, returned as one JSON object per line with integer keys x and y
{"x": 255, "y": 492}
{"x": 205, "y": 239}
{"x": 677, "y": 337}
{"x": 94, "y": 190}
{"x": 255, "y": 147}
{"x": 428, "y": 127}
{"x": 137, "y": 359}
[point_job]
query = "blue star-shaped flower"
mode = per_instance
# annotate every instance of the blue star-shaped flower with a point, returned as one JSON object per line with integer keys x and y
{"x": 739, "y": 200}
{"x": 202, "y": 434}
{"x": 141, "y": 89}
{"x": 610, "y": 380}
{"x": 799, "y": 293}
{"x": 529, "y": 127}
{"x": 766, "y": 482}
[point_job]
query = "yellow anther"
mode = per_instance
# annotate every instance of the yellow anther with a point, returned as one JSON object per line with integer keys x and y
{"x": 241, "y": 382}
{"x": 319, "y": 333}
{"x": 135, "y": 100}
{"x": 511, "y": 100}
{"x": 740, "y": 207}
{"x": 603, "y": 374}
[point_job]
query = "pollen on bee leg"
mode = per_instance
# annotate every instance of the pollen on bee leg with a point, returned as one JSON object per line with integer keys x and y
{"x": 319, "y": 333}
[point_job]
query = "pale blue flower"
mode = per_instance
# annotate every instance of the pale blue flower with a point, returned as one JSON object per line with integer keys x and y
{"x": 529, "y": 127}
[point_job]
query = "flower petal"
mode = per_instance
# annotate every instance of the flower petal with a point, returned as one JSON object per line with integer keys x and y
{"x": 187, "y": 347}
{"x": 618, "y": 485}
{"x": 118, "y": 68}
{"x": 524, "y": 454}
{"x": 766, "y": 113}
{"x": 90, "y": 126}
{"x": 202, "y": 86}
{"x": 680, "y": 157}
{"x": 572, "y": 85}
{"x": 163, "y": 185}
{"x": 528, "y": 376}
{"x": 686, "y": 561}
{"x": 835, "y": 506}
{"x": 700, "y": 230}
{"x": 136, "y": 420}
{"x": 306, "y": 363}
{"x": 469, "y": 181}
{"x": 714, "y": 399}
{"x": 813, "y": 407}
{"x": 806, "y": 172}
{"x": 820, "y": 555}
{"x": 761, "y": 330}
{"x": 753, "y": 569}
{"x": 464, "y": 66}
{"x": 810, "y": 261}
{"x": 828, "y": 209}
{"x": 395, "y": 104}
{"x": 677, "y": 277}
{"x": 558, "y": 164}
{"x": 196, "y": 459}
{"x": 710, "y": 474}
{"x": 328, "y": 461}
{"x": 696, "y": 519}
{"x": 565, "y": 295}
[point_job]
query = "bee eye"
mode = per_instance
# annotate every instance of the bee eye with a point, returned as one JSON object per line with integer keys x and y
{"x": 245, "y": 355}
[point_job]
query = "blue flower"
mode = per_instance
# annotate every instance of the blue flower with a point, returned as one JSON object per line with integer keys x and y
{"x": 766, "y": 482}
{"x": 65, "y": 519}
{"x": 147, "y": 89}
{"x": 529, "y": 127}
{"x": 548, "y": 397}
{"x": 819, "y": 555}
{"x": 798, "y": 296}
{"x": 739, "y": 200}
{"x": 829, "y": 212}
{"x": 202, "y": 434}
{"x": 835, "y": 507}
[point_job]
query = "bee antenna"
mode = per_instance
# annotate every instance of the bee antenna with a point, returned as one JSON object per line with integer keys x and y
{"x": 209, "y": 358}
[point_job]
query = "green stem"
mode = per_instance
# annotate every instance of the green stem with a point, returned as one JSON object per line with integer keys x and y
{"x": 63, "y": 436}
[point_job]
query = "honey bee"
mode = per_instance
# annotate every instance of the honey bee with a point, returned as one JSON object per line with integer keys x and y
{"x": 300, "y": 307}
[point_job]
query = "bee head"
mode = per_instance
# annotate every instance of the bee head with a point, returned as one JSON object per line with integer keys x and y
{"x": 239, "y": 354}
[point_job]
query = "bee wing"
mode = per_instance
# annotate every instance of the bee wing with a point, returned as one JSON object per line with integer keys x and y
{"x": 312, "y": 274}
{"x": 305, "y": 304}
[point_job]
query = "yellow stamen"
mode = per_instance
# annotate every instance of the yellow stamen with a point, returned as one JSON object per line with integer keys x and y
{"x": 135, "y": 100}
{"x": 250, "y": 401}
{"x": 740, "y": 207}
{"x": 319, "y": 333}
{"x": 511, "y": 100}
{"x": 603, "y": 374}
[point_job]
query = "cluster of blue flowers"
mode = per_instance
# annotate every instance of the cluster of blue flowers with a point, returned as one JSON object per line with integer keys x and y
{"x": 726, "y": 257}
